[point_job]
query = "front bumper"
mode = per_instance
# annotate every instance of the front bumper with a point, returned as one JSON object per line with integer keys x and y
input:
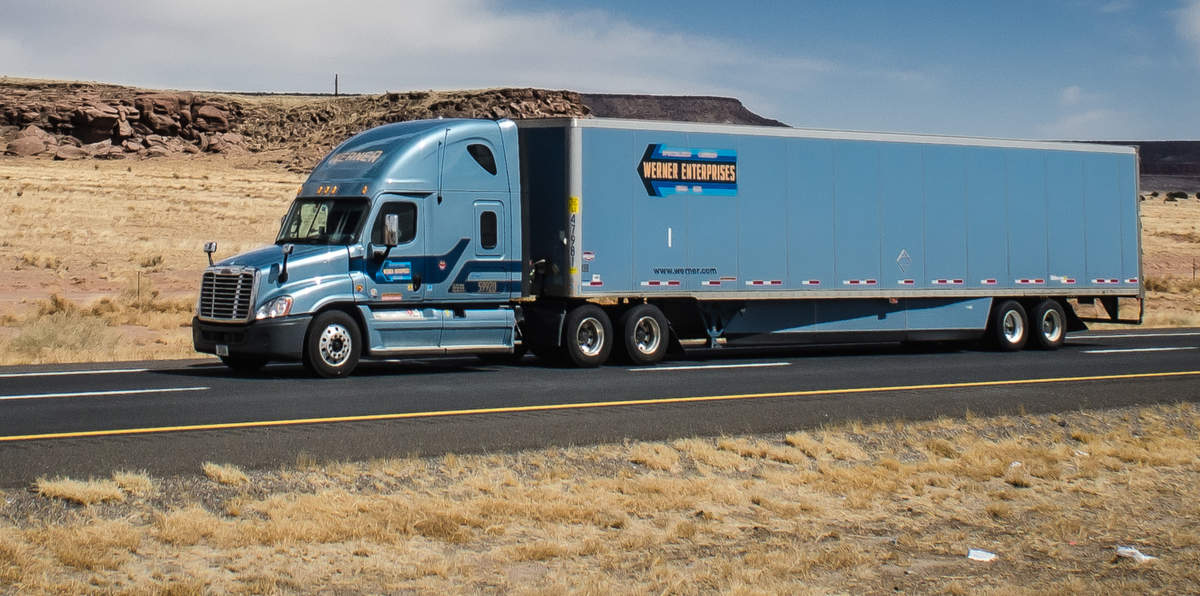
{"x": 276, "y": 339}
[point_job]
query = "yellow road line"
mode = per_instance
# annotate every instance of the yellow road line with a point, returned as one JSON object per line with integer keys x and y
{"x": 580, "y": 406}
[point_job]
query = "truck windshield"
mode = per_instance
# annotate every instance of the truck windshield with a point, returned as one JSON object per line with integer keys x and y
{"x": 323, "y": 221}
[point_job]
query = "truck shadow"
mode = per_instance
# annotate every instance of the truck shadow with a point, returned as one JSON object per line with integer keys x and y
{"x": 471, "y": 364}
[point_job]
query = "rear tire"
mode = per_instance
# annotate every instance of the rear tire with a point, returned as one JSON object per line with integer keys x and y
{"x": 1048, "y": 325}
{"x": 1009, "y": 329}
{"x": 644, "y": 334}
{"x": 587, "y": 336}
{"x": 333, "y": 344}
{"x": 244, "y": 365}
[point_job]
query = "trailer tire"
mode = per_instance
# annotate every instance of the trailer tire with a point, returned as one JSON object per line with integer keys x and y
{"x": 244, "y": 365}
{"x": 645, "y": 335}
{"x": 333, "y": 345}
{"x": 587, "y": 336}
{"x": 1009, "y": 326}
{"x": 1049, "y": 325}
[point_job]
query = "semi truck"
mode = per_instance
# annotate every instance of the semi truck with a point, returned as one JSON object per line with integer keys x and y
{"x": 582, "y": 239}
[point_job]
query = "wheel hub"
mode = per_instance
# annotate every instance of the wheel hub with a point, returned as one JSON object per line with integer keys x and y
{"x": 1052, "y": 326}
{"x": 335, "y": 345}
{"x": 647, "y": 335}
{"x": 590, "y": 337}
{"x": 1014, "y": 329}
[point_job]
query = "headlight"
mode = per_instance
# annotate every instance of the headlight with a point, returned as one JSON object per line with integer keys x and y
{"x": 279, "y": 307}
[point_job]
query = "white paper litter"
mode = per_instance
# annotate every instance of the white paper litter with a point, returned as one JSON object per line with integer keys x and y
{"x": 1015, "y": 464}
{"x": 976, "y": 554}
{"x": 1130, "y": 552}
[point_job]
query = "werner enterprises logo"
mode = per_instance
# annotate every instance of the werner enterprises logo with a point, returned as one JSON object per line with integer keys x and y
{"x": 666, "y": 170}
{"x": 359, "y": 156}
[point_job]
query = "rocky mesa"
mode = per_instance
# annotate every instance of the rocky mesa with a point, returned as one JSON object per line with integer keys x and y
{"x": 78, "y": 120}
{"x": 81, "y": 120}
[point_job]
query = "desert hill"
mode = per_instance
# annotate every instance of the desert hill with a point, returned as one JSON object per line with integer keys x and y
{"x": 77, "y": 120}
{"x": 80, "y": 120}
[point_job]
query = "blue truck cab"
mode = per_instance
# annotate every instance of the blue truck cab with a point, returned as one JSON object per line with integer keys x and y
{"x": 335, "y": 286}
{"x": 585, "y": 238}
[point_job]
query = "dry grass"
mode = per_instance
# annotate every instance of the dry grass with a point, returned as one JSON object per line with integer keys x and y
{"x": 225, "y": 474}
{"x": 121, "y": 240}
{"x": 83, "y": 492}
{"x": 848, "y": 509}
{"x": 138, "y": 484}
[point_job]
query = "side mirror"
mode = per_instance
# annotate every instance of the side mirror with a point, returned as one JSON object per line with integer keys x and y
{"x": 391, "y": 230}
{"x": 209, "y": 249}
{"x": 287, "y": 251}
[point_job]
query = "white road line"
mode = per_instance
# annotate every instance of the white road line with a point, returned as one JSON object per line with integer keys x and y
{"x": 102, "y": 393}
{"x": 1117, "y": 350}
{"x": 710, "y": 366}
{"x": 64, "y": 373}
{"x": 1180, "y": 334}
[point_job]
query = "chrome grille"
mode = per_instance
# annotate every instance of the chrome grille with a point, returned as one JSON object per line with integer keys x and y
{"x": 227, "y": 294}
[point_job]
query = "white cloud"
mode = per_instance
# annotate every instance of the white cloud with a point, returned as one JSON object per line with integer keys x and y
{"x": 1091, "y": 125}
{"x": 1114, "y": 6}
{"x": 1188, "y": 23}
{"x": 1070, "y": 96}
{"x": 377, "y": 45}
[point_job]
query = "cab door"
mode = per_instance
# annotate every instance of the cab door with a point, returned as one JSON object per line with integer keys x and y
{"x": 399, "y": 318}
{"x": 475, "y": 268}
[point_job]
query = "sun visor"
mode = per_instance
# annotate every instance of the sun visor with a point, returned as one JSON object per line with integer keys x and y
{"x": 400, "y": 156}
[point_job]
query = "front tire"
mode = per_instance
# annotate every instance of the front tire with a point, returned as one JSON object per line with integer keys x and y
{"x": 1049, "y": 322}
{"x": 1009, "y": 326}
{"x": 333, "y": 345}
{"x": 644, "y": 334}
{"x": 588, "y": 336}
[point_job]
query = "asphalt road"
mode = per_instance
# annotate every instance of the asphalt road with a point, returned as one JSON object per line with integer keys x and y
{"x": 169, "y": 417}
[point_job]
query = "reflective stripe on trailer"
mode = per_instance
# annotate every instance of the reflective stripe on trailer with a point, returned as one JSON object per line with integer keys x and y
{"x": 765, "y": 282}
{"x": 1131, "y": 280}
{"x": 1028, "y": 282}
{"x": 908, "y": 282}
{"x": 947, "y": 282}
{"x": 1106, "y": 281}
{"x": 593, "y": 283}
{"x": 859, "y": 282}
{"x": 657, "y": 283}
{"x": 988, "y": 282}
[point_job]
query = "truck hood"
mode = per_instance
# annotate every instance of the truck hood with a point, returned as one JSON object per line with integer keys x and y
{"x": 307, "y": 260}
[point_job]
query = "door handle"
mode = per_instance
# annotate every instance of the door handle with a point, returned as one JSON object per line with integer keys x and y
{"x": 416, "y": 281}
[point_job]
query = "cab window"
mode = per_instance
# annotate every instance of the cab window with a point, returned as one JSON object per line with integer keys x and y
{"x": 487, "y": 230}
{"x": 408, "y": 222}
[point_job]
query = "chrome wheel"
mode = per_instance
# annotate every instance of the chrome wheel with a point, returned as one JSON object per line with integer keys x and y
{"x": 647, "y": 335}
{"x": 1013, "y": 327}
{"x": 590, "y": 336}
{"x": 335, "y": 345}
{"x": 1052, "y": 326}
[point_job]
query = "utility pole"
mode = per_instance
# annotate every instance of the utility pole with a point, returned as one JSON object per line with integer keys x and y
{"x": 335, "y": 84}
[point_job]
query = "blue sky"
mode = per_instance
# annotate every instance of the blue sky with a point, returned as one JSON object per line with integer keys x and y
{"x": 1109, "y": 69}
